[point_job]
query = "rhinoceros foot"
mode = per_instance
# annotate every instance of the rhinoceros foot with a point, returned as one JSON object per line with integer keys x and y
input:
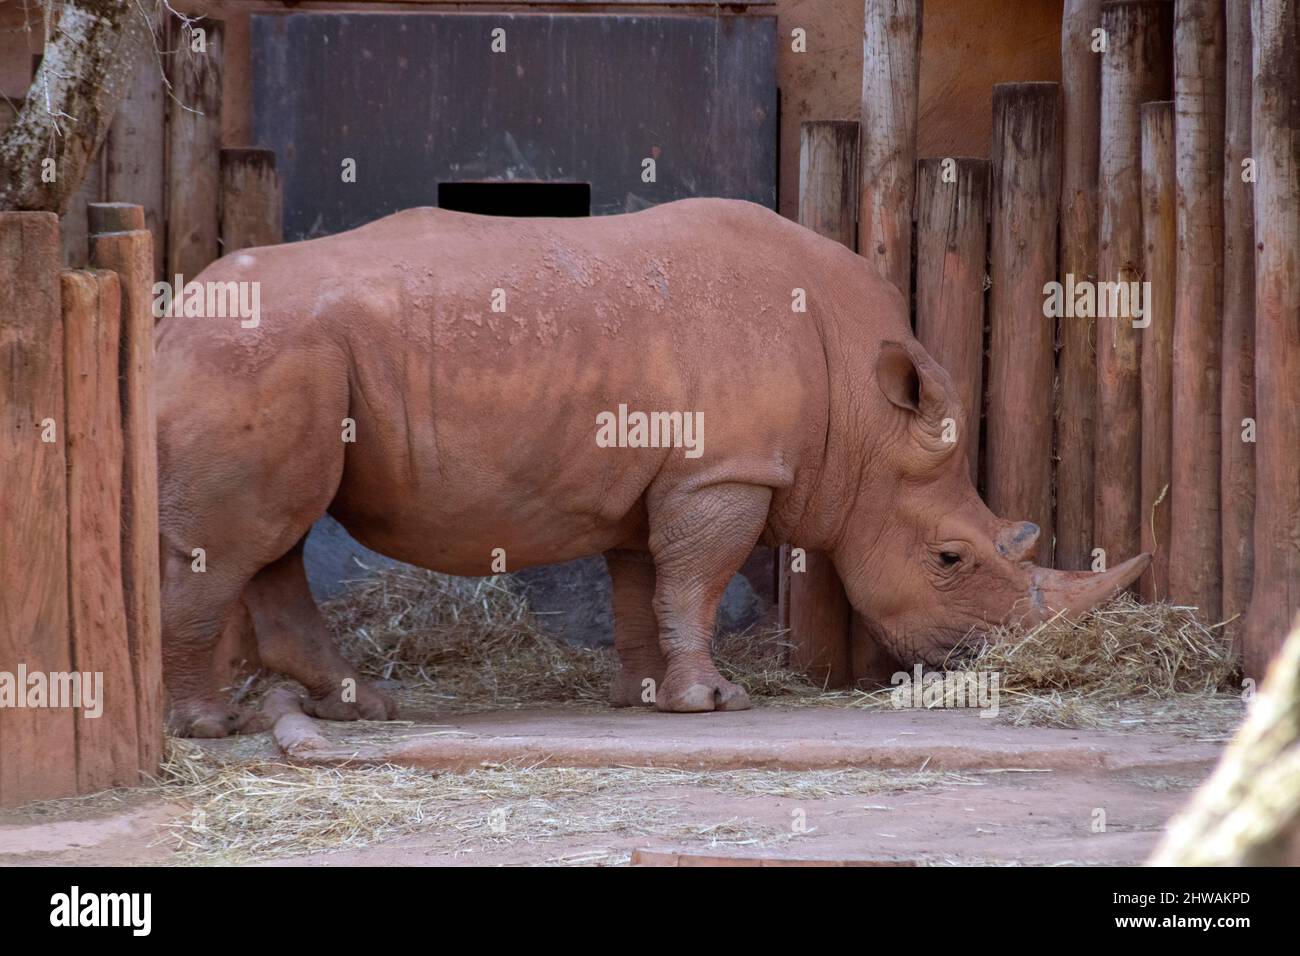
{"x": 698, "y": 691}
{"x": 204, "y": 717}
{"x": 370, "y": 704}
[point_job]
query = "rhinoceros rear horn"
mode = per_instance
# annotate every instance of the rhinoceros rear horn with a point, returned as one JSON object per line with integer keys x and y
{"x": 914, "y": 382}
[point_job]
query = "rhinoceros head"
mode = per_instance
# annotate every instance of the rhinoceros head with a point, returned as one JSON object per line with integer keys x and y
{"x": 935, "y": 567}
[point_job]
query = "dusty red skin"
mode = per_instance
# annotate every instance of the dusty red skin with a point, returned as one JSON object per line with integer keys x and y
{"x": 476, "y": 430}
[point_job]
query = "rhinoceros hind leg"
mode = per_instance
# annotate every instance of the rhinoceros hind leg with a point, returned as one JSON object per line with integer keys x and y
{"x": 292, "y": 639}
{"x": 246, "y": 463}
{"x": 699, "y": 540}
{"x": 636, "y": 629}
{"x": 192, "y": 616}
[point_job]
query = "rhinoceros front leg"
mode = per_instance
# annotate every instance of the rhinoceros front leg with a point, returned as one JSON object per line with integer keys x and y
{"x": 292, "y": 639}
{"x": 699, "y": 540}
{"x": 636, "y": 629}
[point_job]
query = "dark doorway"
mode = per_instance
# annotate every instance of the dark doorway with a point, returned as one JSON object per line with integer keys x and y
{"x": 517, "y": 198}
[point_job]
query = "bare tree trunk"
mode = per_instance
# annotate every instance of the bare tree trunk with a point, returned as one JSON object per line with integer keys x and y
{"x": 89, "y": 56}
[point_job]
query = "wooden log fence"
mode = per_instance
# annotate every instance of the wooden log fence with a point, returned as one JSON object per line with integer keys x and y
{"x": 79, "y": 562}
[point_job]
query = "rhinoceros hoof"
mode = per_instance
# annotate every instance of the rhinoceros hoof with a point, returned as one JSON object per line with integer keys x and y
{"x": 369, "y": 705}
{"x": 698, "y": 696}
{"x": 204, "y": 718}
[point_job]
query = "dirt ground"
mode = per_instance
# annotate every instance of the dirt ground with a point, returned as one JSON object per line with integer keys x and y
{"x": 583, "y": 784}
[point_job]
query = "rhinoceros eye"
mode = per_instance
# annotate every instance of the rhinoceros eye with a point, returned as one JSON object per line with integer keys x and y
{"x": 950, "y": 559}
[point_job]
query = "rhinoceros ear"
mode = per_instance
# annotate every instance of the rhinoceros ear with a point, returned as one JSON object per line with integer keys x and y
{"x": 913, "y": 381}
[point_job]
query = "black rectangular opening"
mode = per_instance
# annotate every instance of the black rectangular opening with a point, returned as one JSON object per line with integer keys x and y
{"x": 516, "y": 198}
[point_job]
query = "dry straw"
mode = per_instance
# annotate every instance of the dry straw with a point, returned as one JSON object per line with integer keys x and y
{"x": 468, "y": 644}
{"x": 250, "y": 811}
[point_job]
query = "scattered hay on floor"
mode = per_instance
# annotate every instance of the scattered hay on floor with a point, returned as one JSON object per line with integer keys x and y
{"x": 246, "y": 811}
{"x": 756, "y": 660}
{"x": 461, "y": 643}
{"x": 474, "y": 644}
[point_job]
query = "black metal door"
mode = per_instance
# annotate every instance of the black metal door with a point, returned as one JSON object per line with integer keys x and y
{"x": 421, "y": 99}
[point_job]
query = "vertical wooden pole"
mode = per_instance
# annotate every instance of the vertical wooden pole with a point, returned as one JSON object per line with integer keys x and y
{"x": 952, "y": 216}
{"x": 1237, "y": 468}
{"x": 115, "y": 217}
{"x": 890, "y": 106}
{"x": 1026, "y": 197}
{"x": 1134, "y": 70}
{"x": 252, "y": 210}
{"x": 130, "y": 255}
{"x": 1076, "y": 360}
{"x": 1195, "y": 557}
{"x": 891, "y": 69}
{"x": 38, "y": 747}
{"x": 1160, "y": 256}
{"x": 107, "y": 746}
{"x": 135, "y": 152}
{"x": 1275, "y": 144}
{"x": 193, "y": 149}
{"x": 818, "y": 607}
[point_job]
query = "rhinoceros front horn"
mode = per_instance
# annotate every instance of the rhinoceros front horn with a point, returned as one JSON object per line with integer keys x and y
{"x": 1074, "y": 592}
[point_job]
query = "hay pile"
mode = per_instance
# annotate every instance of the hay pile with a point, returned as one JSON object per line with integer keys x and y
{"x": 461, "y": 643}
{"x": 470, "y": 644}
{"x": 474, "y": 643}
{"x": 1124, "y": 665}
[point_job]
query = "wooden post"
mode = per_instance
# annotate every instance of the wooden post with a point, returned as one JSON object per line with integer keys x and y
{"x": 194, "y": 149}
{"x": 130, "y": 255}
{"x": 1076, "y": 360}
{"x": 952, "y": 216}
{"x": 891, "y": 65}
{"x": 1195, "y": 556}
{"x": 819, "y": 610}
{"x": 107, "y": 746}
{"x": 1275, "y": 596}
{"x": 1160, "y": 241}
{"x": 1237, "y": 468}
{"x": 1026, "y": 197}
{"x": 38, "y": 747}
{"x": 252, "y": 209}
{"x": 115, "y": 217}
{"x": 1134, "y": 70}
{"x": 135, "y": 151}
